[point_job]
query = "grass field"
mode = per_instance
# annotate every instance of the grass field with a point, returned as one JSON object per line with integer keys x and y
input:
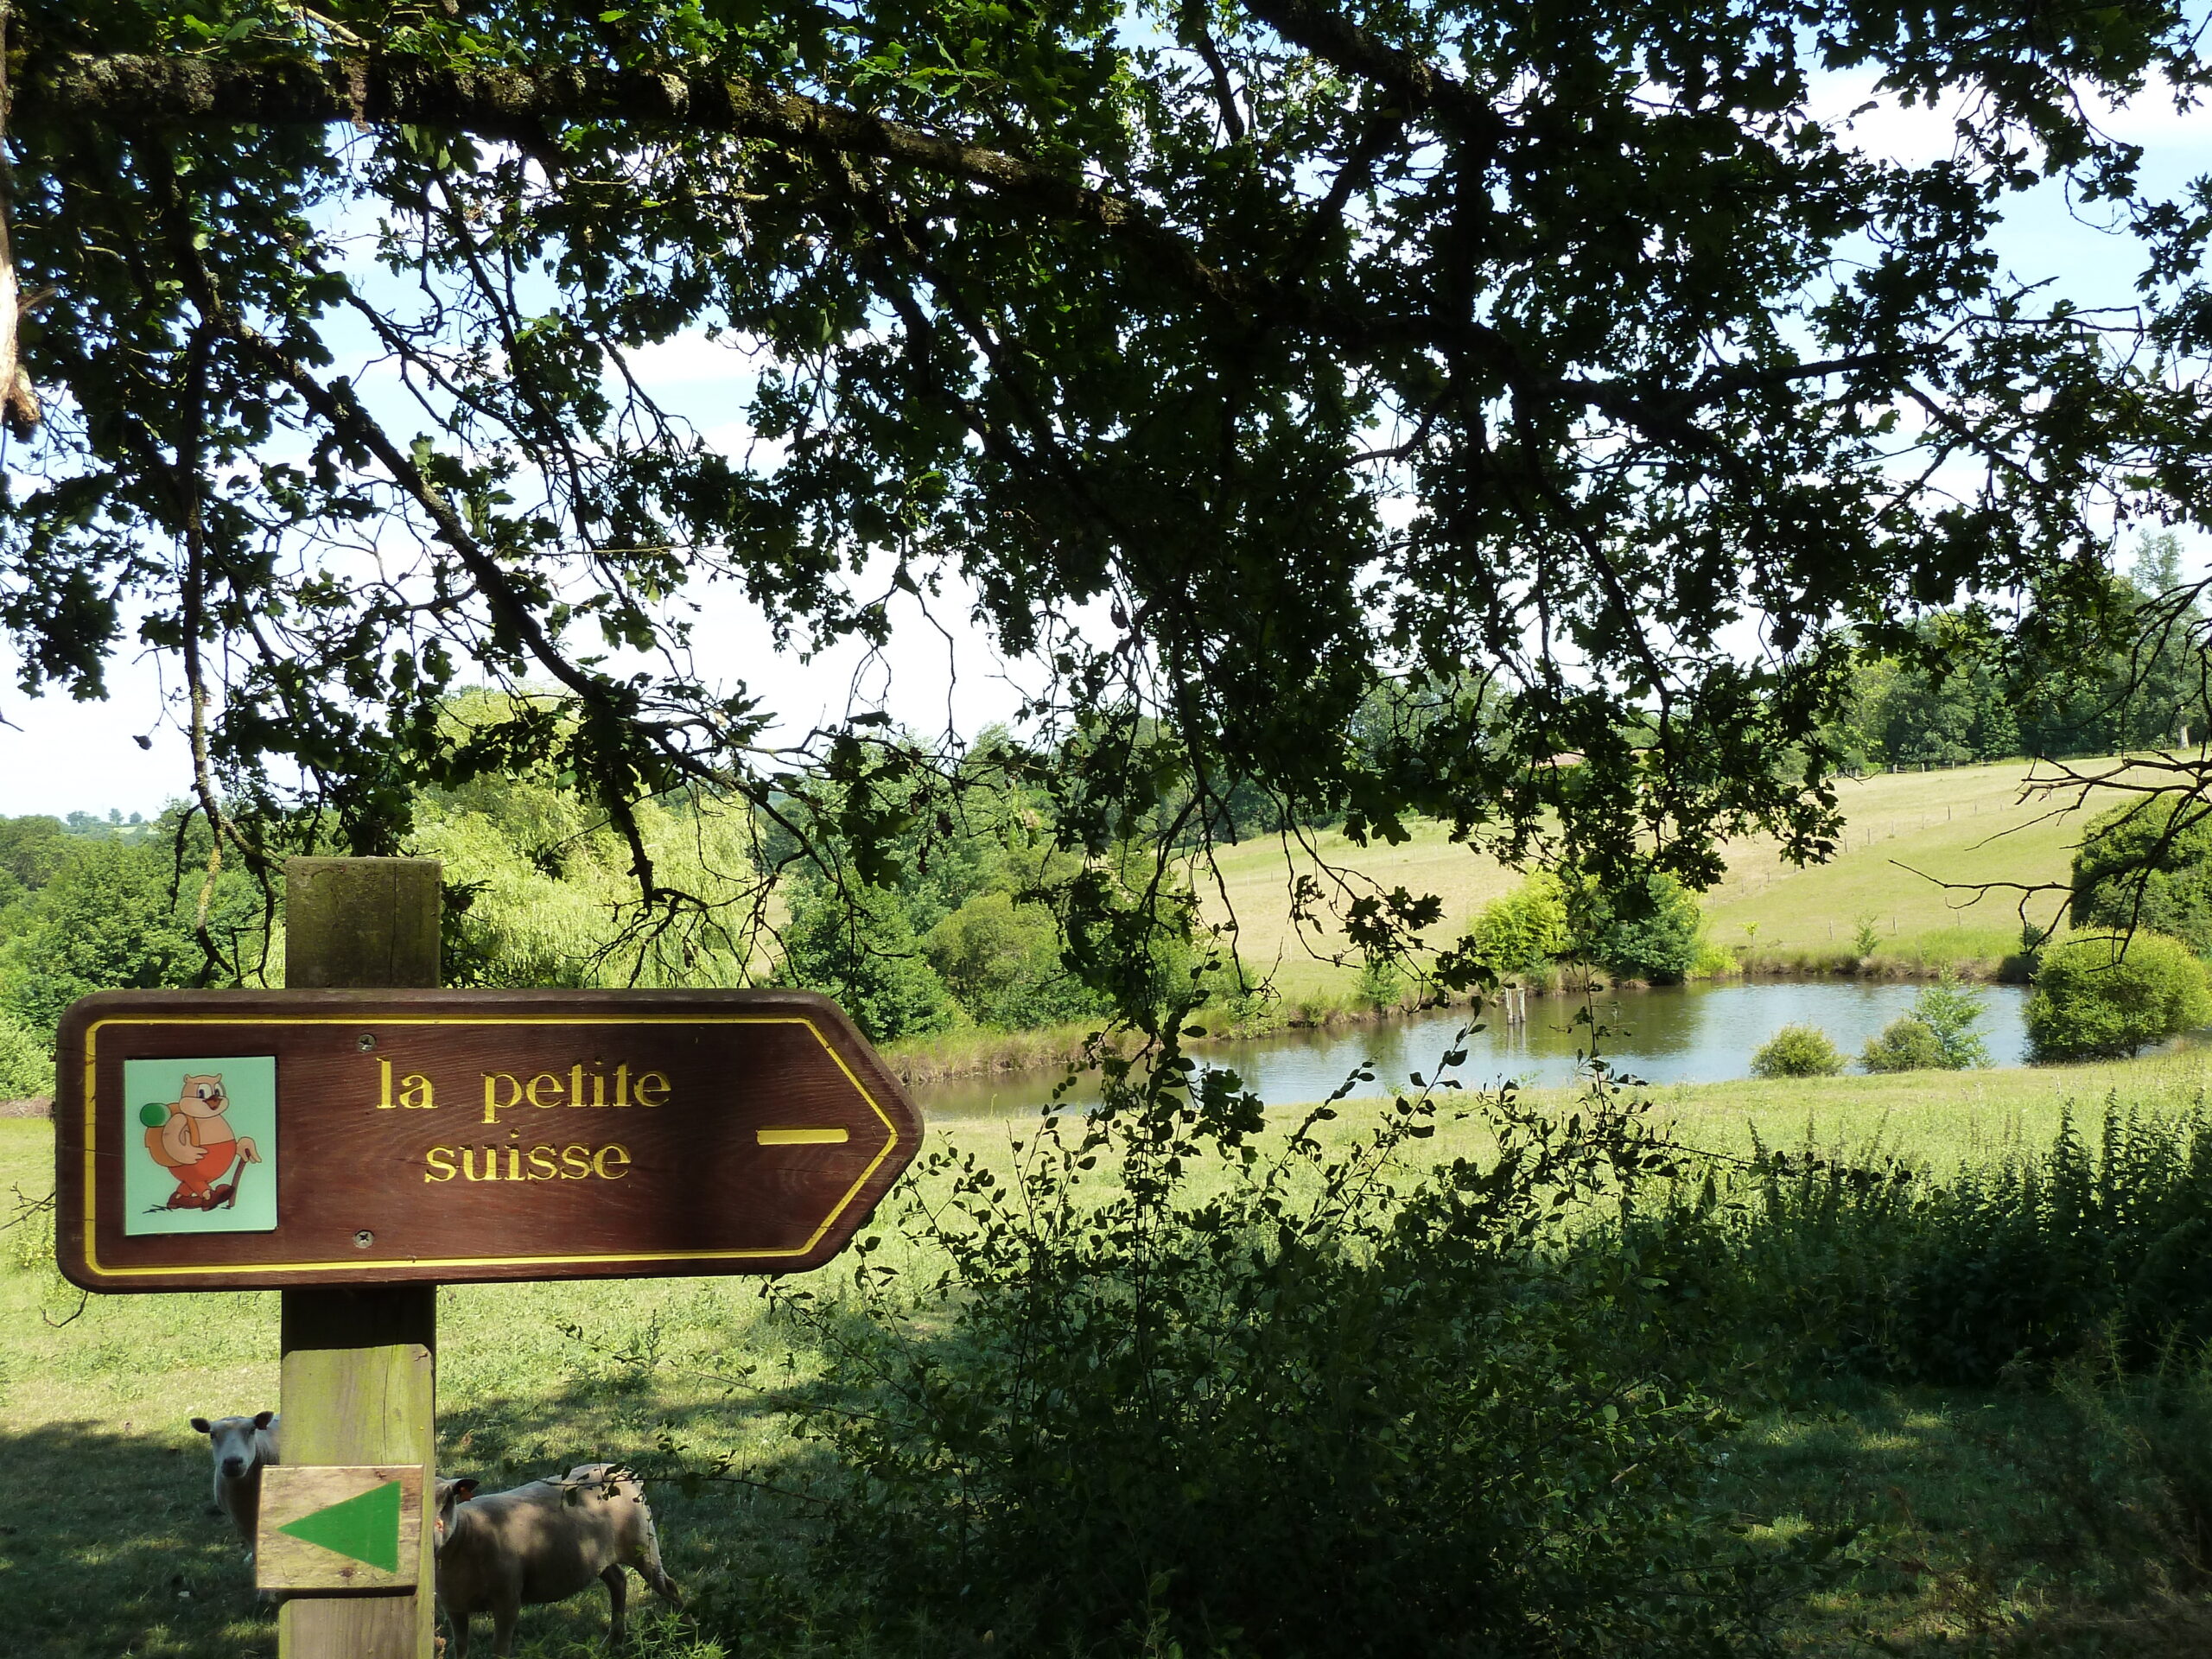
{"x": 1968, "y": 824}
{"x": 109, "y": 1549}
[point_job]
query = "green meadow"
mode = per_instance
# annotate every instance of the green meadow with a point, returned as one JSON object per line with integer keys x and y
{"x": 112, "y": 1550}
{"x": 1907, "y": 833}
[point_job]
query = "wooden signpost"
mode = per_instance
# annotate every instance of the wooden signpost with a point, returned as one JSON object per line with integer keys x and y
{"x": 361, "y": 1137}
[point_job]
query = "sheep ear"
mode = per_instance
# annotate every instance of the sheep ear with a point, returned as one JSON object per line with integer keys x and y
{"x": 463, "y": 1491}
{"x": 263, "y": 1419}
{"x": 200, "y": 1426}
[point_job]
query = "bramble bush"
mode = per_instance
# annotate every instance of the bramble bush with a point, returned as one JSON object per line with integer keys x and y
{"x": 1798, "y": 1052}
{"x": 2107, "y": 995}
{"x": 1172, "y": 1395}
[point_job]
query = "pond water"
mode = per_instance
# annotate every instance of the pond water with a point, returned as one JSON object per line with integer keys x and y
{"x": 1681, "y": 1034}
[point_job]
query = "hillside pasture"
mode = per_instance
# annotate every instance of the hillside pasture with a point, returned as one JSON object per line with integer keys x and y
{"x": 1907, "y": 835}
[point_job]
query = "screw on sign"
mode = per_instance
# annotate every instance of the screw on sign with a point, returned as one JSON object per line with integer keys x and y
{"x": 356, "y": 1148}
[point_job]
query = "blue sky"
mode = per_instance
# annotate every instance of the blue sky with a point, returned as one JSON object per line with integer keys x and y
{"x": 58, "y": 756}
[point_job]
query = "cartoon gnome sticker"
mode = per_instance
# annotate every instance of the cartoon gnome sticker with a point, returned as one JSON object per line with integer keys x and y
{"x": 205, "y": 1158}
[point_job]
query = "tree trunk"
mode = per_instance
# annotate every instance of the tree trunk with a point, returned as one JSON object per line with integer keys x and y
{"x": 18, "y": 400}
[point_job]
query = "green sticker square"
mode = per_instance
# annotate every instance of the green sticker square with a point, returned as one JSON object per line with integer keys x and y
{"x": 200, "y": 1145}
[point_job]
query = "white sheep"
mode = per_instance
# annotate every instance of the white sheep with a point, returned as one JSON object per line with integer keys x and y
{"x": 244, "y": 1447}
{"x": 543, "y": 1542}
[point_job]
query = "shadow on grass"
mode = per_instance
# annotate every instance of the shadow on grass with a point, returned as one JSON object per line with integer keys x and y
{"x": 110, "y": 1548}
{"x": 1967, "y": 1547}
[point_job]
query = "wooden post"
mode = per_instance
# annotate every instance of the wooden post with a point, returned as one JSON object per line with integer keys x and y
{"x": 359, "y": 1366}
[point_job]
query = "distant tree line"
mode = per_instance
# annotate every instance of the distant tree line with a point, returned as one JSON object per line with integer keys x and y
{"x": 2043, "y": 696}
{"x": 959, "y": 920}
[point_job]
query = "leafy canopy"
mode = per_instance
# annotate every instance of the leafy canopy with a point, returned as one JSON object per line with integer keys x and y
{"x": 1234, "y": 359}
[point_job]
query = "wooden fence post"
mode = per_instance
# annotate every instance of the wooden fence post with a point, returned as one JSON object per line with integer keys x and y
{"x": 359, "y": 1366}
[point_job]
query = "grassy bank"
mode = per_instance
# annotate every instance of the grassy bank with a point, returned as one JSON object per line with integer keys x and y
{"x": 1961, "y": 1542}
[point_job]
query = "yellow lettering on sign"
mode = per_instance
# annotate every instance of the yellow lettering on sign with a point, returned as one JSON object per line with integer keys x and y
{"x": 415, "y": 1091}
{"x": 546, "y": 1078}
{"x": 493, "y": 1105}
{"x": 649, "y": 1084}
{"x": 575, "y": 1162}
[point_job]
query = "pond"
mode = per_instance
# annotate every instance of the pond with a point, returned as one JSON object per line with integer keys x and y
{"x": 1681, "y": 1034}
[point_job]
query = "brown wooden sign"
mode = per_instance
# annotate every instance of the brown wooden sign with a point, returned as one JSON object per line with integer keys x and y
{"x": 228, "y": 1140}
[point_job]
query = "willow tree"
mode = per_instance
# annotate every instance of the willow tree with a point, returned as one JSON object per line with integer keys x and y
{"x": 1563, "y": 382}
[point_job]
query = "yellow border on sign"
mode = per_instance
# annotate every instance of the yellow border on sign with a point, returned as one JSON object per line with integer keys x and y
{"x": 356, "y": 1265}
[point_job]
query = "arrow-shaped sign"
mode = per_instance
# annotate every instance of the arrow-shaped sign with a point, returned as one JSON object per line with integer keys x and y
{"x": 366, "y": 1527}
{"x": 340, "y": 1527}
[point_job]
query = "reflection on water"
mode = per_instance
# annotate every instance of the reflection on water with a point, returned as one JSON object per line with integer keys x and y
{"x": 1682, "y": 1033}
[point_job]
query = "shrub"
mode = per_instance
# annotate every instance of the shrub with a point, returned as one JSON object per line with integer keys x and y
{"x": 2103, "y": 995}
{"x": 1650, "y": 929}
{"x": 1907, "y": 1044}
{"x": 26, "y": 1065}
{"x": 2130, "y": 1454}
{"x": 1798, "y": 1052}
{"x": 1140, "y": 1405}
{"x": 1522, "y": 933}
{"x": 1381, "y": 982}
{"x": 1868, "y": 1265}
{"x": 2148, "y": 864}
{"x": 1951, "y": 1012}
{"x": 1001, "y": 958}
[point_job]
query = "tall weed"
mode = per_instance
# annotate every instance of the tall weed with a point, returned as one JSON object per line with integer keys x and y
{"x": 1876, "y": 1266}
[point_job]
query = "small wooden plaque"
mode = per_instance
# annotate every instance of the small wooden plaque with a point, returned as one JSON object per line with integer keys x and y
{"x": 337, "y": 1528}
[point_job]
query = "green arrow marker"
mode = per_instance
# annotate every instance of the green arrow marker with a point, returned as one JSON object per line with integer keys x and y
{"x": 364, "y": 1527}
